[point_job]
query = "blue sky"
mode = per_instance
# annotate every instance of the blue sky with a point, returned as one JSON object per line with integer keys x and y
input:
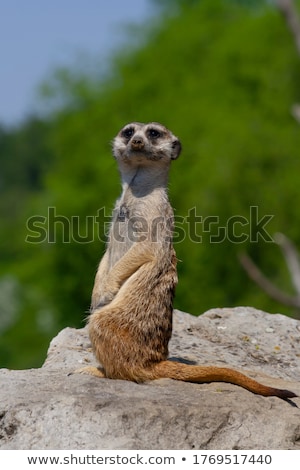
{"x": 38, "y": 35}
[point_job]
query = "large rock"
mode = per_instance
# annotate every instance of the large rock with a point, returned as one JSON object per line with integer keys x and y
{"x": 48, "y": 409}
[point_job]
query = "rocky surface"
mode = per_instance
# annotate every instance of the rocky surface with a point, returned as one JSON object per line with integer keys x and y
{"x": 48, "y": 409}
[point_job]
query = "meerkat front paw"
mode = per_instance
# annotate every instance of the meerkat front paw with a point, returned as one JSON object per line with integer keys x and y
{"x": 99, "y": 301}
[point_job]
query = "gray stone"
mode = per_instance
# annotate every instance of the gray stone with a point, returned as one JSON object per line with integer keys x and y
{"x": 48, "y": 409}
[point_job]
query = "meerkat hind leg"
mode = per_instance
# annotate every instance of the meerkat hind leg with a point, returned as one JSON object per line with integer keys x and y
{"x": 90, "y": 370}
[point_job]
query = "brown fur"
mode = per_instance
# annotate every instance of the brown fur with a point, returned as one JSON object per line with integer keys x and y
{"x": 131, "y": 312}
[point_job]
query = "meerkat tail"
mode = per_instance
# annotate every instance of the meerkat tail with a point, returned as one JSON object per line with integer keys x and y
{"x": 206, "y": 374}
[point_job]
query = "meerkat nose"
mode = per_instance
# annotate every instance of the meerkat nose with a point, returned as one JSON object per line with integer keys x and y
{"x": 137, "y": 143}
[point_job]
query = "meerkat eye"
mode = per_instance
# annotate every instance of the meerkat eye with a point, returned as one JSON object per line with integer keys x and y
{"x": 154, "y": 134}
{"x": 128, "y": 133}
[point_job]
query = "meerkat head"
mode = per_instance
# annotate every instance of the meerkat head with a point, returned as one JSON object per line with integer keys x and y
{"x": 141, "y": 143}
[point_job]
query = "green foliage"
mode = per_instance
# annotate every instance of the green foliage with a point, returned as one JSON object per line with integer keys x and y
{"x": 223, "y": 76}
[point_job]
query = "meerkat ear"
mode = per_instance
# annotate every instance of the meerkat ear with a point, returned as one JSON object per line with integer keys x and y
{"x": 176, "y": 149}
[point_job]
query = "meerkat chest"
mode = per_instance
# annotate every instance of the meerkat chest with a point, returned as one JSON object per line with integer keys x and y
{"x": 128, "y": 227}
{"x": 135, "y": 220}
{"x": 129, "y": 224}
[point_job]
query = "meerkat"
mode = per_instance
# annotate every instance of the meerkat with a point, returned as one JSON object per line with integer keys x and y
{"x": 130, "y": 324}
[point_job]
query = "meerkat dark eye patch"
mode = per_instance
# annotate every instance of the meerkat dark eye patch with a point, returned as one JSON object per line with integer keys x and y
{"x": 128, "y": 132}
{"x": 154, "y": 133}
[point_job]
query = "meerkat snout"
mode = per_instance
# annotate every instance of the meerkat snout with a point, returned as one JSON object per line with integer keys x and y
{"x": 137, "y": 143}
